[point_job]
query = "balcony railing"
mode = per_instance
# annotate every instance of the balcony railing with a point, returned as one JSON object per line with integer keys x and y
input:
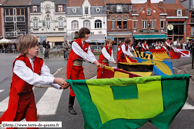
{"x": 14, "y": 34}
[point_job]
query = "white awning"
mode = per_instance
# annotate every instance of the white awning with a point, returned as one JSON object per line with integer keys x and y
{"x": 96, "y": 38}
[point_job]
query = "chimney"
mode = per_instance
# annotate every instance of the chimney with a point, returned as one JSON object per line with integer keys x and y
{"x": 178, "y": 1}
{"x": 148, "y": 1}
{"x": 160, "y": 3}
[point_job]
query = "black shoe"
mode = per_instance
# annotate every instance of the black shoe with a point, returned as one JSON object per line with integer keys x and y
{"x": 70, "y": 106}
{"x": 72, "y": 111}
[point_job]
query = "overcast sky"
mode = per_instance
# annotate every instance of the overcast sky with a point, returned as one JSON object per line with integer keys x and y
{"x": 143, "y": 1}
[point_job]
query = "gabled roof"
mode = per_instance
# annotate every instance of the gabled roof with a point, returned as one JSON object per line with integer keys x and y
{"x": 37, "y": 2}
{"x": 16, "y": 2}
{"x": 80, "y": 2}
{"x": 171, "y": 9}
{"x": 118, "y": 1}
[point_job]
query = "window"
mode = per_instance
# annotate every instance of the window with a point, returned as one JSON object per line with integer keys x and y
{"x": 148, "y": 11}
{"x": 48, "y": 22}
{"x": 130, "y": 7}
{"x": 86, "y": 10}
{"x": 34, "y": 9}
{"x": 74, "y": 24}
{"x": 113, "y": 25}
{"x": 86, "y": 23}
{"x": 125, "y": 24}
{"x": 9, "y": 12}
{"x": 144, "y": 26}
{"x": 97, "y": 10}
{"x": 179, "y": 12}
{"x": 60, "y": 8}
{"x": 119, "y": 8}
{"x": 20, "y": 12}
{"x": 162, "y": 24}
{"x": 35, "y": 23}
{"x": 60, "y": 22}
{"x": 134, "y": 24}
{"x": 98, "y": 24}
{"x": 74, "y": 10}
{"x": 119, "y": 26}
{"x": 47, "y": 9}
{"x": 153, "y": 24}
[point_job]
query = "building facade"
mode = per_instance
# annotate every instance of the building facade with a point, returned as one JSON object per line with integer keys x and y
{"x": 176, "y": 20}
{"x": 119, "y": 19}
{"x": 48, "y": 20}
{"x": 15, "y": 18}
{"x": 90, "y": 14}
{"x": 149, "y": 21}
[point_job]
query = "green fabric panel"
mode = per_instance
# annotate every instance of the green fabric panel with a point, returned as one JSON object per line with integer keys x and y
{"x": 150, "y": 36}
{"x": 175, "y": 92}
{"x": 162, "y": 121}
{"x": 124, "y": 92}
{"x": 148, "y": 105}
{"x": 122, "y": 81}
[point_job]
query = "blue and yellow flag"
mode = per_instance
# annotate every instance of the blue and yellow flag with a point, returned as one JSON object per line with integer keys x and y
{"x": 160, "y": 67}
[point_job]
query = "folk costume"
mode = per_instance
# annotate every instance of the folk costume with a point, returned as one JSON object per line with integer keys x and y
{"x": 144, "y": 47}
{"x": 105, "y": 57}
{"x": 26, "y": 73}
{"x": 79, "y": 51}
{"x": 125, "y": 50}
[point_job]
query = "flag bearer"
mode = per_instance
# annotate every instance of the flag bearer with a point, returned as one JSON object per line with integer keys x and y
{"x": 106, "y": 56}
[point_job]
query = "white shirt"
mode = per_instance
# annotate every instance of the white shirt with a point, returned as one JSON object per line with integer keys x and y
{"x": 168, "y": 44}
{"x": 126, "y": 52}
{"x": 107, "y": 56}
{"x": 26, "y": 74}
{"x": 146, "y": 46}
{"x": 165, "y": 48}
{"x": 89, "y": 56}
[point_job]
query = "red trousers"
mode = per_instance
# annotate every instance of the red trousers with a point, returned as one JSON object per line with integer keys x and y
{"x": 122, "y": 59}
{"x": 76, "y": 73}
{"x": 100, "y": 70}
{"x": 26, "y": 108}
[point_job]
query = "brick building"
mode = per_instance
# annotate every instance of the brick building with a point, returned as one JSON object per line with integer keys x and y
{"x": 179, "y": 17}
{"x": 119, "y": 22}
{"x": 149, "y": 21}
{"x": 15, "y": 18}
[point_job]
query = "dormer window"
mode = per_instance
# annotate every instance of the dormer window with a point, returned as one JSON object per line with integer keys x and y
{"x": 34, "y": 9}
{"x": 119, "y": 8}
{"x": 148, "y": 11}
{"x": 179, "y": 12}
{"x": 86, "y": 10}
{"x": 48, "y": 9}
{"x": 97, "y": 10}
{"x": 60, "y": 8}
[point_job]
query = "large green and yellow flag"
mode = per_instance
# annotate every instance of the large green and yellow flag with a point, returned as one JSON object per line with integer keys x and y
{"x": 128, "y": 103}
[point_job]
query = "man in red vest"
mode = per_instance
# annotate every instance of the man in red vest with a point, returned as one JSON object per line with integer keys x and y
{"x": 106, "y": 56}
{"x": 79, "y": 50}
{"x": 124, "y": 51}
{"x": 145, "y": 46}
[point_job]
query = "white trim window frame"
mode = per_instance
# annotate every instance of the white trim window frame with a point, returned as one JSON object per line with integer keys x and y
{"x": 153, "y": 24}
{"x": 86, "y": 24}
{"x": 48, "y": 9}
{"x": 35, "y": 23}
{"x": 113, "y": 24}
{"x": 148, "y": 11}
{"x": 60, "y": 8}
{"x": 98, "y": 23}
{"x": 134, "y": 24}
{"x": 34, "y": 9}
{"x": 86, "y": 10}
{"x": 119, "y": 8}
{"x": 179, "y": 12}
{"x": 60, "y": 23}
{"x": 74, "y": 25}
{"x": 144, "y": 24}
